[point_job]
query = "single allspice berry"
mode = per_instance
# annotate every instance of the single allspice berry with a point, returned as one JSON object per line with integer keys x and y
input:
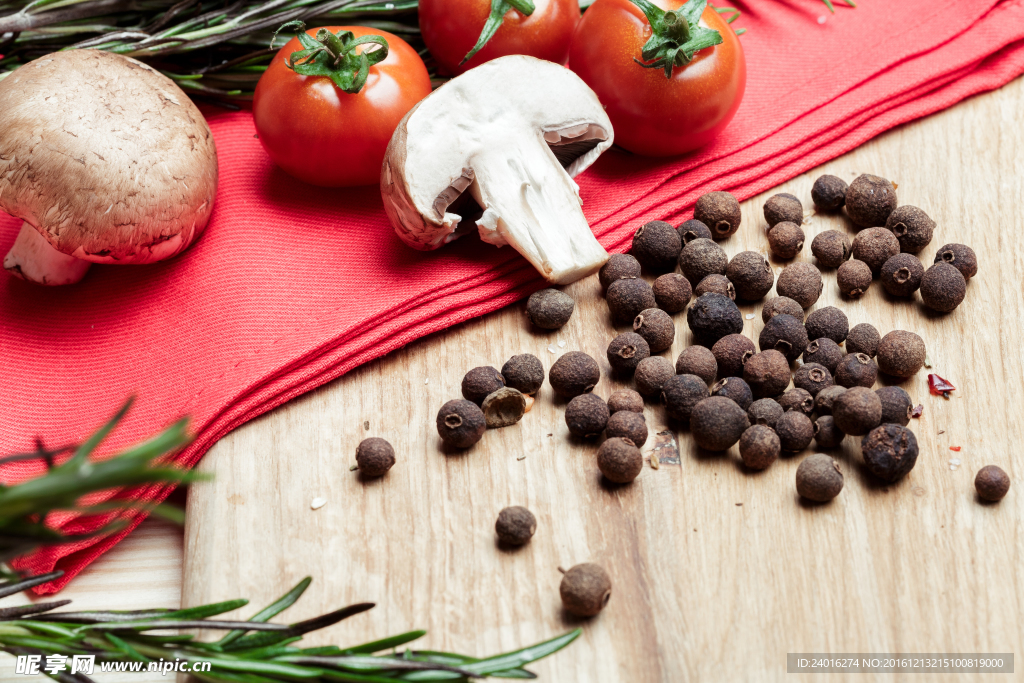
{"x": 781, "y": 305}
{"x": 626, "y": 351}
{"x": 627, "y": 297}
{"x": 586, "y": 416}
{"x": 700, "y": 258}
{"x": 869, "y": 200}
{"x": 719, "y": 284}
{"x": 656, "y": 327}
{"x": 549, "y": 309}
{"x": 826, "y": 397}
{"x": 573, "y": 374}
{"x": 767, "y": 373}
{"x": 751, "y": 275}
{"x": 681, "y": 393}
{"x": 863, "y": 338}
{"x": 827, "y": 322}
{"x": 824, "y": 352}
{"x": 797, "y": 399}
{"x": 656, "y": 245}
{"x": 857, "y": 411}
{"x": 765, "y": 412}
{"x": 375, "y": 456}
{"x": 819, "y": 478}
{"x": 585, "y": 590}
{"x": 731, "y": 353}
{"x": 711, "y": 317}
{"x": 759, "y": 447}
{"x": 693, "y": 230}
{"x": 717, "y": 423}
{"x": 786, "y": 240}
{"x": 854, "y": 278}
{"x": 856, "y": 370}
{"x": 618, "y": 267}
{"x": 523, "y": 372}
{"x": 672, "y": 292}
{"x": 478, "y": 383}
{"x": 619, "y": 460}
{"x": 698, "y": 360}
{"x": 625, "y": 399}
{"x": 902, "y": 274}
{"x": 460, "y": 423}
{"x": 783, "y": 208}
{"x": 812, "y": 378}
{"x": 627, "y": 425}
{"x": 826, "y": 433}
{"x": 890, "y": 452}
{"x": 896, "y": 405}
{"x": 720, "y": 211}
{"x": 961, "y": 257}
{"x": 734, "y": 388}
{"x": 651, "y": 374}
{"x": 901, "y": 353}
{"x": 504, "y": 408}
{"x": 829, "y": 193}
{"x": 875, "y": 246}
{"x": 912, "y": 227}
{"x": 785, "y": 334}
{"x": 832, "y": 248}
{"x": 515, "y": 526}
{"x": 795, "y": 430}
{"x": 992, "y": 483}
{"x": 943, "y": 288}
{"x": 801, "y": 282}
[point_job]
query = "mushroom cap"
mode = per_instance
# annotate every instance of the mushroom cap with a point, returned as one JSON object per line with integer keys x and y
{"x": 106, "y": 157}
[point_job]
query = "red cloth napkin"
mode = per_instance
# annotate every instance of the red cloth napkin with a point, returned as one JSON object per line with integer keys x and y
{"x": 292, "y": 286}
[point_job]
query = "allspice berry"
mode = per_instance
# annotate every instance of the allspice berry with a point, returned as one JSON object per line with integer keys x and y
{"x": 857, "y": 411}
{"x": 785, "y": 334}
{"x": 826, "y": 433}
{"x": 731, "y": 353}
{"x": 759, "y": 447}
{"x": 853, "y": 278}
{"x": 943, "y": 288}
{"x": 720, "y": 211}
{"x": 819, "y": 478}
{"x": 856, "y": 370}
{"x": 460, "y": 423}
{"x": 700, "y": 258}
{"x": 693, "y": 230}
{"x": 902, "y": 274}
{"x": 573, "y": 374}
{"x": 717, "y": 423}
{"x": 374, "y": 456}
{"x": 626, "y": 351}
{"x": 781, "y": 305}
{"x": 656, "y": 327}
{"x": 656, "y": 245}
{"x": 625, "y": 399}
{"x": 618, "y": 267}
{"x": 751, "y": 275}
{"x": 832, "y": 248}
{"x": 992, "y": 483}
{"x": 698, "y": 360}
{"x": 797, "y": 399}
{"x": 627, "y": 297}
{"x": 619, "y": 460}
{"x": 912, "y": 227}
{"x": 825, "y": 352}
{"x": 812, "y": 378}
{"x": 504, "y": 408}
{"x": 890, "y": 452}
{"x": 585, "y": 590}
{"x": 586, "y": 416}
{"x": 827, "y": 322}
{"x": 549, "y": 309}
{"x": 767, "y": 373}
{"x": 863, "y": 338}
{"x": 896, "y": 405}
{"x": 826, "y": 397}
{"x": 672, "y": 292}
{"x": 801, "y": 282}
{"x": 523, "y": 372}
{"x": 901, "y": 353}
{"x": 681, "y": 393}
{"x": 829, "y": 193}
{"x": 870, "y": 200}
{"x": 783, "y": 208}
{"x": 651, "y": 374}
{"x": 875, "y": 246}
{"x": 734, "y": 388}
{"x": 961, "y": 257}
{"x": 515, "y": 526}
{"x": 795, "y": 430}
{"x": 479, "y": 382}
{"x": 719, "y": 284}
{"x": 627, "y": 425}
{"x": 712, "y": 316}
{"x": 765, "y": 412}
{"x": 786, "y": 240}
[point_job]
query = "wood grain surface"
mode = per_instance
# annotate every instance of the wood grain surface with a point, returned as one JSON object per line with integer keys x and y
{"x": 718, "y": 572}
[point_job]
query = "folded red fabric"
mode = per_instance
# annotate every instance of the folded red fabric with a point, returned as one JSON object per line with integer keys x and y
{"x": 293, "y": 286}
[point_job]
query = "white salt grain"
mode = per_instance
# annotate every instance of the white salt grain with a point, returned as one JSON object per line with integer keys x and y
{"x": 318, "y": 503}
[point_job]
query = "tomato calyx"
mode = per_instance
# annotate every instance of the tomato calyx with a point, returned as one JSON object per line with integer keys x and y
{"x": 334, "y": 55}
{"x": 499, "y": 8}
{"x": 676, "y": 35}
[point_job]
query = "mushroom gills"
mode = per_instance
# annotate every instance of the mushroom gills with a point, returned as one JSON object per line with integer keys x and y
{"x": 33, "y": 259}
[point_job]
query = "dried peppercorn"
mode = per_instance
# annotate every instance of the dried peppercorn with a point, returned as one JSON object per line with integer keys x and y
{"x": 785, "y": 240}
{"x": 795, "y": 431}
{"x": 863, "y": 338}
{"x": 759, "y": 447}
{"x": 651, "y": 374}
{"x": 801, "y": 282}
{"x": 691, "y": 230}
{"x": 628, "y": 425}
{"x": 656, "y": 327}
{"x": 812, "y": 378}
{"x": 797, "y": 399}
{"x": 901, "y": 275}
{"x": 856, "y": 370}
{"x": 826, "y": 433}
{"x": 829, "y": 193}
{"x": 503, "y": 408}
{"x": 961, "y": 257}
{"x": 764, "y": 411}
{"x": 890, "y": 452}
{"x": 681, "y": 393}
{"x": 585, "y": 590}
{"x": 627, "y": 297}
{"x": 943, "y": 288}
{"x": 672, "y": 292}
{"x": 717, "y": 423}
{"x": 618, "y": 267}
{"x": 767, "y": 373}
{"x": 549, "y": 309}
{"x": 853, "y": 278}
{"x": 731, "y": 353}
{"x": 460, "y": 423}
{"x": 734, "y": 388}
{"x": 785, "y": 334}
{"x": 374, "y": 456}
{"x": 751, "y": 275}
{"x": 826, "y": 397}
{"x": 819, "y": 478}
{"x": 700, "y": 258}
{"x": 619, "y": 460}
{"x": 827, "y": 322}
{"x": 912, "y": 227}
{"x": 573, "y": 374}
{"x": 901, "y": 353}
{"x": 712, "y": 316}
{"x": 523, "y": 372}
{"x": 586, "y": 416}
{"x": 719, "y": 284}
{"x": 720, "y": 211}
{"x": 824, "y": 352}
{"x": 656, "y": 245}
{"x": 869, "y": 200}
{"x": 783, "y": 208}
{"x": 515, "y": 525}
{"x": 896, "y": 405}
{"x": 992, "y": 483}
{"x": 626, "y": 351}
{"x": 831, "y": 248}
{"x": 479, "y": 382}
{"x": 857, "y": 411}
{"x": 781, "y": 305}
{"x": 697, "y": 360}
{"x": 875, "y": 246}
{"x": 625, "y": 399}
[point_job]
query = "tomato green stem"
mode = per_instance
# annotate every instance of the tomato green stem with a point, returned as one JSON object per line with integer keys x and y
{"x": 499, "y": 8}
{"x": 676, "y": 35}
{"x": 334, "y": 55}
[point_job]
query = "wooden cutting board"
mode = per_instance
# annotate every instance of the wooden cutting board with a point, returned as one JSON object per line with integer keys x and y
{"x": 718, "y": 572}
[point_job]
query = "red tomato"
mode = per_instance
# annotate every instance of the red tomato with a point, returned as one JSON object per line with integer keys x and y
{"x": 451, "y": 28}
{"x": 651, "y": 114}
{"x": 324, "y": 136}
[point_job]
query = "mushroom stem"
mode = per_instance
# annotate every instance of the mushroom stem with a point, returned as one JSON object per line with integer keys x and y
{"x": 33, "y": 259}
{"x": 530, "y": 202}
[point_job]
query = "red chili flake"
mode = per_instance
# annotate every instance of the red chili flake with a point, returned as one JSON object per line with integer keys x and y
{"x": 955, "y": 448}
{"x": 918, "y": 411}
{"x": 939, "y": 387}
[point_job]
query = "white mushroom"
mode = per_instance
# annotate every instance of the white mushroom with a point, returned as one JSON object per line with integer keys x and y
{"x": 513, "y": 132}
{"x": 105, "y": 159}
